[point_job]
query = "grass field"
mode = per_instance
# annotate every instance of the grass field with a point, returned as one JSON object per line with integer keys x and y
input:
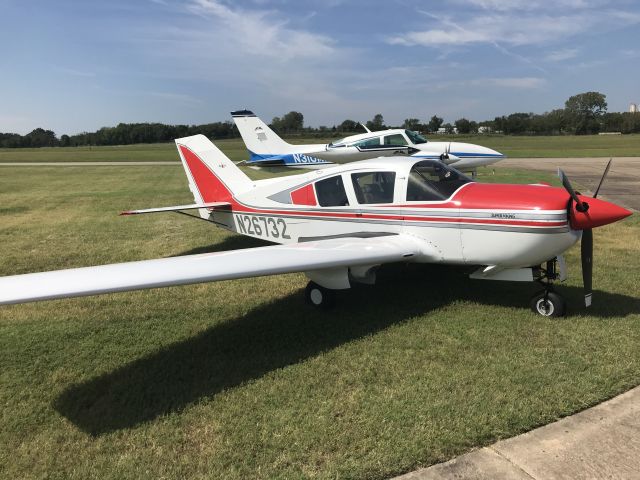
{"x": 240, "y": 379}
{"x": 512, "y": 146}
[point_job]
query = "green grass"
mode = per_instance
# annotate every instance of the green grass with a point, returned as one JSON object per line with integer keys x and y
{"x": 512, "y": 146}
{"x": 240, "y": 379}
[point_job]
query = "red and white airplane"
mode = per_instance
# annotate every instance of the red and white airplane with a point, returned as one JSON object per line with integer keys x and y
{"x": 339, "y": 224}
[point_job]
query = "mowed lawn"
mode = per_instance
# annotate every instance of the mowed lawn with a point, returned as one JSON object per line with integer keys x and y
{"x": 512, "y": 146}
{"x": 240, "y": 379}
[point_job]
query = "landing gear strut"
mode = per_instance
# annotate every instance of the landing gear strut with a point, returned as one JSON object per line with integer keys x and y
{"x": 547, "y": 302}
{"x": 319, "y": 297}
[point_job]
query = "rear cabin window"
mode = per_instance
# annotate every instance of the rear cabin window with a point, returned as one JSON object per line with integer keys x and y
{"x": 331, "y": 193}
{"x": 395, "y": 140}
{"x": 433, "y": 181}
{"x": 374, "y": 187}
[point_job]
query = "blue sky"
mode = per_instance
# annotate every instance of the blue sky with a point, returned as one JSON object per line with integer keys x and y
{"x": 80, "y": 65}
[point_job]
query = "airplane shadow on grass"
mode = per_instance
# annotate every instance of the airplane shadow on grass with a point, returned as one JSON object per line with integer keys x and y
{"x": 286, "y": 332}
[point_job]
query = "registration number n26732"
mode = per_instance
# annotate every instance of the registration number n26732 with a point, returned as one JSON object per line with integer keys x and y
{"x": 268, "y": 227}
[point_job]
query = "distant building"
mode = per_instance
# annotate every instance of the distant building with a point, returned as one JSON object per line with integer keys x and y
{"x": 484, "y": 129}
{"x": 633, "y": 108}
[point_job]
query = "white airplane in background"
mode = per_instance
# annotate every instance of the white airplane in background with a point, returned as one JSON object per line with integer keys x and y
{"x": 339, "y": 224}
{"x": 267, "y": 149}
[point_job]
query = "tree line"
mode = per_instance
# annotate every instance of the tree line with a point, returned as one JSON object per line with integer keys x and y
{"x": 122, "y": 134}
{"x": 583, "y": 114}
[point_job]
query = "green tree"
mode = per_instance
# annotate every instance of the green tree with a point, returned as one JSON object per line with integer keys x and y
{"x": 348, "y": 126}
{"x": 40, "y": 138}
{"x": 377, "y": 123}
{"x": 435, "y": 123}
{"x": 463, "y": 125}
{"x": 411, "y": 124}
{"x": 584, "y": 111}
{"x": 290, "y": 122}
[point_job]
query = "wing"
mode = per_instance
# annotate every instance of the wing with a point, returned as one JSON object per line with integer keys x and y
{"x": 207, "y": 267}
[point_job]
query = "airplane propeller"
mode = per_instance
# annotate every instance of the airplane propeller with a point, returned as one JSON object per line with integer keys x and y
{"x": 586, "y": 244}
{"x": 445, "y": 155}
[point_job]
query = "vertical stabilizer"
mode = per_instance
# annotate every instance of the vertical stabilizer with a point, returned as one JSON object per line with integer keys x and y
{"x": 213, "y": 177}
{"x": 257, "y": 135}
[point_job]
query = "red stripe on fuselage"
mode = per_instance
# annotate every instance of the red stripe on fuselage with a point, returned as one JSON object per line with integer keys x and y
{"x": 368, "y": 216}
{"x": 479, "y": 197}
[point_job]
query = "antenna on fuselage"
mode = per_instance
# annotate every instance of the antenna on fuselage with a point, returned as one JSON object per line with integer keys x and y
{"x": 365, "y": 127}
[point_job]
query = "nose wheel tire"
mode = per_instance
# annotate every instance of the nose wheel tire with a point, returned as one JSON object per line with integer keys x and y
{"x": 548, "y": 304}
{"x": 319, "y": 297}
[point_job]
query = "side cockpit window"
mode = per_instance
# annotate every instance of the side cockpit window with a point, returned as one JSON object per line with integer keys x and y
{"x": 397, "y": 139}
{"x": 433, "y": 181}
{"x": 331, "y": 192}
{"x": 374, "y": 187}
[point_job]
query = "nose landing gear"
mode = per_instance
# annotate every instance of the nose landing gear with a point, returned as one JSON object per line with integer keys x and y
{"x": 547, "y": 302}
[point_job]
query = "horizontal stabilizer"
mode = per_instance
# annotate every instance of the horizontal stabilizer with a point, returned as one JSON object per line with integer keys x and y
{"x": 206, "y": 267}
{"x": 194, "y": 206}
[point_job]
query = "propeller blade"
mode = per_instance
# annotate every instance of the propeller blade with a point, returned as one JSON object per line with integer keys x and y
{"x": 580, "y": 206}
{"x": 606, "y": 171}
{"x": 586, "y": 253}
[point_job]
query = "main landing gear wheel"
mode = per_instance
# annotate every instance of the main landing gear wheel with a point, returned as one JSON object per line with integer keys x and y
{"x": 548, "y": 304}
{"x": 319, "y": 297}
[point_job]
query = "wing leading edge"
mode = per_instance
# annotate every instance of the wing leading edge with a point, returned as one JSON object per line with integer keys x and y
{"x": 207, "y": 267}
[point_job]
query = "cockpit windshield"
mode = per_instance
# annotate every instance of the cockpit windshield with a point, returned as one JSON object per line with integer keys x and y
{"x": 431, "y": 180}
{"x": 415, "y": 137}
{"x": 338, "y": 143}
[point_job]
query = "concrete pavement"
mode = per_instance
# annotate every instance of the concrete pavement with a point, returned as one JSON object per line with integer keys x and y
{"x": 622, "y": 185}
{"x": 600, "y": 442}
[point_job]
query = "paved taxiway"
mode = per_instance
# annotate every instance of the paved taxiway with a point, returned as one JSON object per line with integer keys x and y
{"x": 622, "y": 185}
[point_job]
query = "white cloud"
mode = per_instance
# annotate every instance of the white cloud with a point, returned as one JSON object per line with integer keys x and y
{"x": 516, "y": 83}
{"x": 563, "y": 54}
{"x": 515, "y": 28}
{"x": 530, "y": 5}
{"x": 512, "y": 82}
{"x": 262, "y": 32}
{"x": 74, "y": 72}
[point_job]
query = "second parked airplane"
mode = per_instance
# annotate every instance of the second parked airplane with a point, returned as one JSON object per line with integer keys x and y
{"x": 267, "y": 149}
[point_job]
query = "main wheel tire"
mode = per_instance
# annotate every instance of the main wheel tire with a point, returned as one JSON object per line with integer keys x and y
{"x": 553, "y": 306}
{"x": 319, "y": 297}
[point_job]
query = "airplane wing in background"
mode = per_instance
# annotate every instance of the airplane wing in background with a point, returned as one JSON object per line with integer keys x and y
{"x": 207, "y": 267}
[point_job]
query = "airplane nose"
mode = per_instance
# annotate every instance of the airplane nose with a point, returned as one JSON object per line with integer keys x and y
{"x": 468, "y": 149}
{"x": 598, "y": 213}
{"x": 489, "y": 151}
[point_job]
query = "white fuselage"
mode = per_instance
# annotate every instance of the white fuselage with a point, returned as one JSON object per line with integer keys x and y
{"x": 469, "y": 227}
{"x": 463, "y": 156}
